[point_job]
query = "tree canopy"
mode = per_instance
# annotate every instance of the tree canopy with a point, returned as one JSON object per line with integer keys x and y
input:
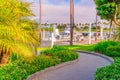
{"x": 108, "y": 9}
{"x": 17, "y": 31}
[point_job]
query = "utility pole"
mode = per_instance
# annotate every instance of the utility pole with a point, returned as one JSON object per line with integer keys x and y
{"x": 71, "y": 21}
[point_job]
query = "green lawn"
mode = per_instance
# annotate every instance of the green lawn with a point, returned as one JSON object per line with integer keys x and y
{"x": 80, "y": 47}
{"x": 74, "y": 47}
{"x": 43, "y": 48}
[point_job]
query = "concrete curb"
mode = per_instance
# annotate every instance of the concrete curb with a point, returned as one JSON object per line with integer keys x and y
{"x": 111, "y": 60}
{"x": 42, "y": 72}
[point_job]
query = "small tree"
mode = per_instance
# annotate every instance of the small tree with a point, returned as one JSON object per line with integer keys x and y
{"x": 108, "y": 9}
{"x": 17, "y": 32}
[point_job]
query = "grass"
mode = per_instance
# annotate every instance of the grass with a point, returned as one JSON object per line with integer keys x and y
{"x": 80, "y": 47}
{"x": 74, "y": 47}
{"x": 42, "y": 48}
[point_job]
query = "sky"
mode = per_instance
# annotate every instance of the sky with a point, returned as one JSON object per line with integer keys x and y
{"x": 58, "y": 11}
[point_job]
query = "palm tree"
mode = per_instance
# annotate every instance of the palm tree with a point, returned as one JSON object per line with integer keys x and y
{"x": 71, "y": 21}
{"x": 17, "y": 35}
{"x": 96, "y": 38}
{"x": 40, "y": 18}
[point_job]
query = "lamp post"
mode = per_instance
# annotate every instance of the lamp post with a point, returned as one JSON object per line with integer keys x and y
{"x": 71, "y": 21}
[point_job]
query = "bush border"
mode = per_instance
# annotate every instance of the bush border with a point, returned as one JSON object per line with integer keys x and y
{"x": 39, "y": 74}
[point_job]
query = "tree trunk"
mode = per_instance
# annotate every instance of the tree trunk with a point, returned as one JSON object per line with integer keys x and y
{"x": 4, "y": 55}
{"x": 1, "y": 52}
{"x": 40, "y": 32}
{"x": 110, "y": 29}
{"x": 96, "y": 38}
{"x": 5, "y": 58}
{"x": 71, "y": 21}
{"x": 115, "y": 16}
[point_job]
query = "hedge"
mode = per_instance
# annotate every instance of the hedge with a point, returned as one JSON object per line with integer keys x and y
{"x": 112, "y": 49}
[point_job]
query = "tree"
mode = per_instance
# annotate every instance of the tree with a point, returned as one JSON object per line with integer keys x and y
{"x": 17, "y": 35}
{"x": 96, "y": 36}
{"x": 108, "y": 9}
{"x": 71, "y": 21}
{"x": 117, "y": 35}
{"x": 62, "y": 27}
{"x": 40, "y": 32}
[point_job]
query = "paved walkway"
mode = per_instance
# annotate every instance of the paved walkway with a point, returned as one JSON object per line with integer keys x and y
{"x": 82, "y": 70}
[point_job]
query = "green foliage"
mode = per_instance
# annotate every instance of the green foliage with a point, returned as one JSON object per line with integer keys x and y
{"x": 101, "y": 47}
{"x": 111, "y": 72}
{"x": 20, "y": 69}
{"x": 62, "y": 27}
{"x": 14, "y": 57}
{"x": 109, "y": 48}
{"x": 17, "y": 31}
{"x": 100, "y": 2}
{"x": 80, "y": 47}
{"x": 48, "y": 29}
{"x": 66, "y": 55}
{"x": 112, "y": 49}
{"x": 53, "y": 50}
{"x": 106, "y": 8}
{"x": 106, "y": 11}
{"x": 62, "y": 53}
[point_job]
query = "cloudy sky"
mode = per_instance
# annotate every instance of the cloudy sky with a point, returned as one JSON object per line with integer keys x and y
{"x": 57, "y": 11}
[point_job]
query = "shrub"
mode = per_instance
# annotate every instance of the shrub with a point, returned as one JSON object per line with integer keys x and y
{"x": 20, "y": 69}
{"x": 14, "y": 57}
{"x": 61, "y": 52}
{"x": 111, "y": 72}
{"x": 51, "y": 52}
{"x": 113, "y": 51}
{"x": 117, "y": 60}
{"x": 101, "y": 47}
{"x": 66, "y": 55}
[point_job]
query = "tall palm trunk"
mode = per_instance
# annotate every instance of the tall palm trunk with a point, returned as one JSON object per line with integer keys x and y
{"x": 4, "y": 54}
{"x": 96, "y": 38}
{"x": 40, "y": 32}
{"x": 71, "y": 21}
{"x": 5, "y": 57}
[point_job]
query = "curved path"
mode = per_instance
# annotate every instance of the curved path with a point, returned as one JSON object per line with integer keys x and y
{"x": 82, "y": 70}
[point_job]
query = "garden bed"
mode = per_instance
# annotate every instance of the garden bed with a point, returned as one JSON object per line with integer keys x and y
{"x": 112, "y": 49}
{"x": 20, "y": 69}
